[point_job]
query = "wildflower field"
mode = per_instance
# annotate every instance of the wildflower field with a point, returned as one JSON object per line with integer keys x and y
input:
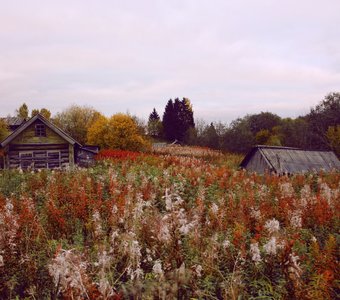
{"x": 165, "y": 227}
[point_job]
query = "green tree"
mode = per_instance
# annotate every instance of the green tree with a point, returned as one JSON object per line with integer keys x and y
{"x": 22, "y": 111}
{"x": 238, "y": 136}
{"x": 76, "y": 120}
{"x": 320, "y": 118}
{"x": 269, "y": 137}
{"x": 295, "y": 133}
{"x": 262, "y": 137}
{"x": 263, "y": 121}
{"x": 154, "y": 124}
{"x": 210, "y": 137}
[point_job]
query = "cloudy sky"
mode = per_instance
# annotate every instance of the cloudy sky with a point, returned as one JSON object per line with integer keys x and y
{"x": 229, "y": 57}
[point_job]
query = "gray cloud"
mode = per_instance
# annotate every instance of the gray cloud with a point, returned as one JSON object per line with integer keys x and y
{"x": 229, "y": 57}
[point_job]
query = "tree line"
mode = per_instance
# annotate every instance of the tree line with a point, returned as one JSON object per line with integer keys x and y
{"x": 317, "y": 130}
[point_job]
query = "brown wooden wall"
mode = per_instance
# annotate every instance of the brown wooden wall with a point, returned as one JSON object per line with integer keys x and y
{"x": 38, "y": 156}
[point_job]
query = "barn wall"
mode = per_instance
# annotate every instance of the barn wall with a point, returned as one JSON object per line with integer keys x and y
{"x": 257, "y": 163}
{"x": 28, "y": 136}
{"x": 38, "y": 156}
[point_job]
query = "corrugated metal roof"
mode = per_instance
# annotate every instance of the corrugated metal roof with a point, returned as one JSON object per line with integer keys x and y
{"x": 294, "y": 160}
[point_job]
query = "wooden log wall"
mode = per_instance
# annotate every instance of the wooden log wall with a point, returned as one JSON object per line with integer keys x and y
{"x": 38, "y": 156}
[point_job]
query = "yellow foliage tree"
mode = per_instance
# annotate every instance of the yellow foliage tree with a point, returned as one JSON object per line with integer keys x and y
{"x": 4, "y": 132}
{"x": 44, "y": 112}
{"x": 333, "y": 137}
{"x": 118, "y": 132}
{"x": 98, "y": 132}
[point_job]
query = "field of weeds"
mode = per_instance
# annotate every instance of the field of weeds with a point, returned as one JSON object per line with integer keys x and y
{"x": 164, "y": 227}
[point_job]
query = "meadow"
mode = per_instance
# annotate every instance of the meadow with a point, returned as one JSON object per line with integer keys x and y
{"x": 165, "y": 226}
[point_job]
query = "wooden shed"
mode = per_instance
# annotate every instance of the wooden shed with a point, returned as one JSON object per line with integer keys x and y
{"x": 13, "y": 123}
{"x": 285, "y": 160}
{"x": 39, "y": 144}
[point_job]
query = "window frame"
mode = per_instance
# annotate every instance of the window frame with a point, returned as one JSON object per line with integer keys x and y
{"x": 40, "y": 130}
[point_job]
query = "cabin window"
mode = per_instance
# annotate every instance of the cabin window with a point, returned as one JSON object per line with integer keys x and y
{"x": 40, "y": 130}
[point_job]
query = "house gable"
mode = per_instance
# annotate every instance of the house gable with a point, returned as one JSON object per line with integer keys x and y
{"x": 48, "y": 124}
{"x": 38, "y": 133}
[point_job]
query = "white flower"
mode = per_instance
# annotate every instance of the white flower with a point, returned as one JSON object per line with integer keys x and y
{"x": 305, "y": 192}
{"x": 198, "y": 270}
{"x": 138, "y": 273}
{"x": 114, "y": 209}
{"x": 168, "y": 200}
{"x": 326, "y": 192}
{"x": 296, "y": 220}
{"x": 157, "y": 268}
{"x": 1, "y": 261}
{"x": 272, "y": 246}
{"x": 255, "y": 252}
{"x": 68, "y": 271}
{"x": 164, "y": 232}
{"x": 294, "y": 267}
{"x": 287, "y": 189}
{"x": 272, "y": 225}
{"x": 226, "y": 244}
{"x": 255, "y": 213}
{"x": 214, "y": 208}
{"x": 97, "y": 223}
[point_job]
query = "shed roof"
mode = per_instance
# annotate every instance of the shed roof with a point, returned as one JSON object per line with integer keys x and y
{"x": 293, "y": 160}
{"x": 14, "y": 121}
{"x": 56, "y": 129}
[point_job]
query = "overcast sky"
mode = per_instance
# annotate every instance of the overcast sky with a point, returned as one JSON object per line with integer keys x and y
{"x": 230, "y": 58}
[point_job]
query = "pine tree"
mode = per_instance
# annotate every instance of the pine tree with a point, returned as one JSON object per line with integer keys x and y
{"x": 169, "y": 121}
{"x": 154, "y": 124}
{"x": 178, "y": 119}
{"x": 154, "y": 116}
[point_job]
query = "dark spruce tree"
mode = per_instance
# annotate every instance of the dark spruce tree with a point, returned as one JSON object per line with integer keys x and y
{"x": 154, "y": 116}
{"x": 178, "y": 119}
{"x": 169, "y": 121}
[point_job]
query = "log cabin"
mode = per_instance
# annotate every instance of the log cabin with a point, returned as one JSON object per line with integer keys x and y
{"x": 39, "y": 144}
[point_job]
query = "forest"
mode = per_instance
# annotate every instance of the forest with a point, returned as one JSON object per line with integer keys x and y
{"x": 318, "y": 130}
